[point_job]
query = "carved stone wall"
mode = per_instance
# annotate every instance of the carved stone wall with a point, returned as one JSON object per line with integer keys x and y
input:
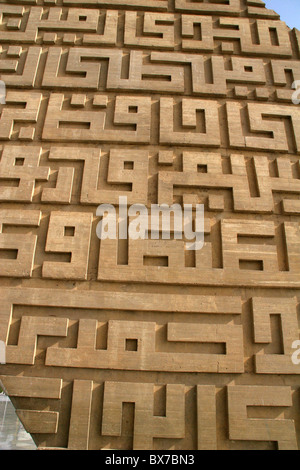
{"x": 143, "y": 344}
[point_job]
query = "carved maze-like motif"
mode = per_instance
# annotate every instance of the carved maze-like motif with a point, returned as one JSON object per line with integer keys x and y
{"x": 146, "y": 344}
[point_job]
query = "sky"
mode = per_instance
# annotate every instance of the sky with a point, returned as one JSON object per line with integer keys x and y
{"x": 289, "y": 11}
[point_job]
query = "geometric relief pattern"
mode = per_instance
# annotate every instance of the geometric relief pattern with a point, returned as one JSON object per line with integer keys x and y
{"x": 145, "y": 344}
{"x": 138, "y": 346}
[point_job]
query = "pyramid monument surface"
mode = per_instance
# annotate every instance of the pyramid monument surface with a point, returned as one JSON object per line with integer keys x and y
{"x": 145, "y": 344}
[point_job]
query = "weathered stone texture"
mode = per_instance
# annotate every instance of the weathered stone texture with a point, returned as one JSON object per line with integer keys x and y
{"x": 144, "y": 344}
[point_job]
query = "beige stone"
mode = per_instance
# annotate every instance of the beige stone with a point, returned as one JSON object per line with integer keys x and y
{"x": 145, "y": 344}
